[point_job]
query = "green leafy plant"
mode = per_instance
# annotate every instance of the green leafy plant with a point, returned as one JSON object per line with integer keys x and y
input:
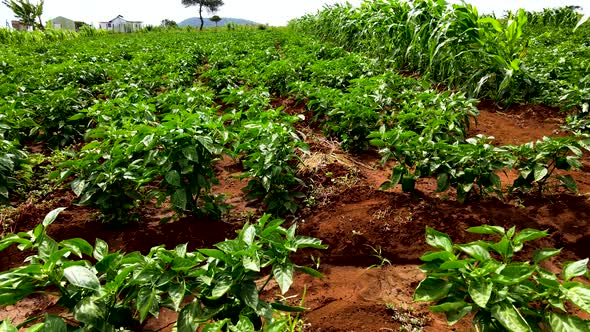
{"x": 485, "y": 279}
{"x": 107, "y": 290}
{"x": 537, "y": 162}
{"x": 271, "y": 155}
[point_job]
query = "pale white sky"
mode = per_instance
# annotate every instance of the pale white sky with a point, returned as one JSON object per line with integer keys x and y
{"x": 274, "y": 12}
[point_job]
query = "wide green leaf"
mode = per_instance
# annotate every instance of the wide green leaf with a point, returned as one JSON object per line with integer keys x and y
{"x": 480, "y": 292}
{"x": 82, "y": 277}
{"x": 78, "y": 247}
{"x": 54, "y": 324}
{"x": 51, "y": 216}
{"x": 6, "y": 326}
{"x": 179, "y": 199}
{"x": 566, "y": 323}
{"x": 442, "y": 182}
{"x": 189, "y": 317}
{"x": 543, "y": 254}
{"x": 101, "y": 249}
{"x": 432, "y": 289}
{"x": 579, "y": 294}
{"x": 147, "y": 301}
{"x": 176, "y": 293}
{"x": 539, "y": 172}
{"x": 487, "y": 229}
{"x": 283, "y": 274}
{"x": 173, "y": 178}
{"x": 475, "y": 250}
{"x": 249, "y": 294}
{"x": 221, "y": 286}
{"x": 215, "y": 327}
{"x": 575, "y": 269}
{"x": 438, "y": 240}
{"x": 509, "y": 317}
{"x": 528, "y": 234}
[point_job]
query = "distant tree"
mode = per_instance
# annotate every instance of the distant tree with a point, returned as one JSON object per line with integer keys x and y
{"x": 215, "y": 19}
{"x": 27, "y": 12}
{"x": 210, "y": 5}
{"x": 79, "y": 24}
{"x": 169, "y": 23}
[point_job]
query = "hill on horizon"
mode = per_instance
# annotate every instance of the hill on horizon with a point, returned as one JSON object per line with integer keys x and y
{"x": 195, "y": 22}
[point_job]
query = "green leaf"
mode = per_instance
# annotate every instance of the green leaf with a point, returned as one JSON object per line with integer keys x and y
{"x": 243, "y": 325}
{"x": 277, "y": 326}
{"x": 251, "y": 263}
{"x": 442, "y": 182}
{"x": 283, "y": 274}
{"x": 438, "y": 240}
{"x": 387, "y": 185}
{"x": 575, "y": 269}
{"x": 540, "y": 172}
{"x": 308, "y": 242}
{"x": 448, "y": 306}
{"x": 434, "y": 255}
{"x": 480, "y": 292}
{"x": 218, "y": 254}
{"x": 579, "y": 295}
{"x": 78, "y": 186}
{"x": 453, "y": 316}
{"x": 6, "y": 326}
{"x": 176, "y": 293}
{"x": 566, "y": 323}
{"x": 54, "y": 324}
{"x": 453, "y": 265}
{"x": 487, "y": 229}
{"x": 147, "y": 301}
{"x": 188, "y": 318}
{"x": 88, "y": 311}
{"x": 248, "y": 234}
{"x": 221, "y": 286}
{"x": 528, "y": 234}
{"x": 82, "y": 277}
{"x": 475, "y": 250}
{"x": 568, "y": 182}
{"x": 179, "y": 199}
{"x": 51, "y": 216}
{"x": 509, "y": 317}
{"x": 78, "y": 247}
{"x": 214, "y": 327}
{"x": 36, "y": 328}
{"x": 515, "y": 273}
{"x": 173, "y": 178}
{"x": 432, "y": 289}
{"x": 249, "y": 294}
{"x": 543, "y": 254}
{"x": 504, "y": 248}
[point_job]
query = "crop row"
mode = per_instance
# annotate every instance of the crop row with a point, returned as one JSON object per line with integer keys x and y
{"x": 502, "y": 59}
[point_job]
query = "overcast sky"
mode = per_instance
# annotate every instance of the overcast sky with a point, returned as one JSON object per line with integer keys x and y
{"x": 273, "y": 12}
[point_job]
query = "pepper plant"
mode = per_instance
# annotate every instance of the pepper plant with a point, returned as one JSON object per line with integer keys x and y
{"x": 484, "y": 278}
{"x": 216, "y": 289}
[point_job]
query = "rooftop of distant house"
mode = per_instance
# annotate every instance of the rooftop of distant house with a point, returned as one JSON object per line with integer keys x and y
{"x": 121, "y": 17}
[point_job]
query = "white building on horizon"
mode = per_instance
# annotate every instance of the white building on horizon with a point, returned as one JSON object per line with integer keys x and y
{"x": 119, "y": 24}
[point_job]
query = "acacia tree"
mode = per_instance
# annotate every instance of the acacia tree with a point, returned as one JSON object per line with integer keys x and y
{"x": 209, "y": 5}
{"x": 215, "y": 19}
{"x": 27, "y": 12}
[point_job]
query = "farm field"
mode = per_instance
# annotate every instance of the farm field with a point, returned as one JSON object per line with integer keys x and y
{"x": 227, "y": 180}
